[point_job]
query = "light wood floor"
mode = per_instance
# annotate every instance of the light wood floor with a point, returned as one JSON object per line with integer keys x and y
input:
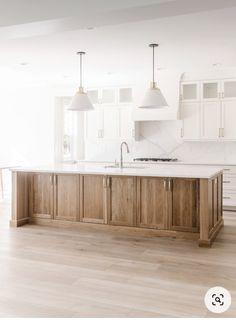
{"x": 49, "y": 272}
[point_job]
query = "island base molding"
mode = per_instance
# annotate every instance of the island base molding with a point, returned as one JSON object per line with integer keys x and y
{"x": 111, "y": 228}
{"x": 185, "y": 208}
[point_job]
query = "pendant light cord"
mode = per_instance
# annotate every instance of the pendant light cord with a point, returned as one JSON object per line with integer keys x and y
{"x": 153, "y": 64}
{"x": 81, "y": 70}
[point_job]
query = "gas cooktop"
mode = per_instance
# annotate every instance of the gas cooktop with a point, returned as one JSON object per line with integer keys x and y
{"x": 147, "y": 159}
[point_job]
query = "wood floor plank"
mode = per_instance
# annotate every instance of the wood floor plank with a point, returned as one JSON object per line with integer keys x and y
{"x": 59, "y": 272}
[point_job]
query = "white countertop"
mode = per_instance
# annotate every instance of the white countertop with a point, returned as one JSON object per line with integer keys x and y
{"x": 160, "y": 170}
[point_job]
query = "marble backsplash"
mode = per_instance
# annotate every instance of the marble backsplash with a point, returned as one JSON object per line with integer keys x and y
{"x": 162, "y": 139}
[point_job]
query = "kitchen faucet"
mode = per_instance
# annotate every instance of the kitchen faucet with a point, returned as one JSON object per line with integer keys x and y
{"x": 121, "y": 152}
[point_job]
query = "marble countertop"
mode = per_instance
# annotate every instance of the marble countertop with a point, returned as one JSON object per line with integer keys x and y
{"x": 160, "y": 170}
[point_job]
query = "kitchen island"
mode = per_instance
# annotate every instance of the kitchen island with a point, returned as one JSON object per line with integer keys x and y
{"x": 177, "y": 201}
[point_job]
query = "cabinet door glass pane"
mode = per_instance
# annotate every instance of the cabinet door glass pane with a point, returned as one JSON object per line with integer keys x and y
{"x": 108, "y": 96}
{"x": 125, "y": 95}
{"x": 93, "y": 95}
{"x": 210, "y": 90}
{"x": 230, "y": 89}
{"x": 190, "y": 91}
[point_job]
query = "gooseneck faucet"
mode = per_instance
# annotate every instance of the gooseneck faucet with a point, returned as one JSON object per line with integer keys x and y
{"x": 121, "y": 152}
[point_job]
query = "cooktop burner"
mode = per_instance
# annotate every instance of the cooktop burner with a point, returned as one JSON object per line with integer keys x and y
{"x": 156, "y": 159}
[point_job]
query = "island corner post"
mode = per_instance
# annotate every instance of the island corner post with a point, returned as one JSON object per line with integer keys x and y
{"x": 211, "y": 209}
{"x": 205, "y": 195}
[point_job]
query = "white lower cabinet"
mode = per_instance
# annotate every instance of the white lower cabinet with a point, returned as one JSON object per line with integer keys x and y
{"x": 229, "y": 188}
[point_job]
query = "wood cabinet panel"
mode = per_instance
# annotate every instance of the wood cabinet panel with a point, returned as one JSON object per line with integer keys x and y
{"x": 66, "y": 197}
{"x": 92, "y": 199}
{"x": 122, "y": 200}
{"x": 185, "y": 204}
{"x": 152, "y": 208}
{"x": 41, "y": 195}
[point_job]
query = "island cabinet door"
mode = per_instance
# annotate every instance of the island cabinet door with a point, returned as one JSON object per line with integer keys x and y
{"x": 185, "y": 205}
{"x": 92, "y": 198}
{"x": 121, "y": 200}
{"x": 41, "y": 196}
{"x": 66, "y": 197}
{"x": 152, "y": 202}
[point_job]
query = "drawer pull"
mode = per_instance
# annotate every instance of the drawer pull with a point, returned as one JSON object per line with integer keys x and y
{"x": 226, "y": 182}
{"x": 227, "y": 198}
{"x": 227, "y": 169}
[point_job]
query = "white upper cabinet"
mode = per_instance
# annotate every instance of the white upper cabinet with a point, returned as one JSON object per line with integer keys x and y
{"x": 125, "y": 95}
{"x": 108, "y": 96}
{"x": 208, "y": 110}
{"x": 111, "y": 119}
{"x": 228, "y": 128}
{"x": 93, "y": 96}
{"x": 211, "y": 114}
{"x": 228, "y": 89}
{"x": 210, "y": 90}
{"x": 190, "y": 91}
{"x": 190, "y": 114}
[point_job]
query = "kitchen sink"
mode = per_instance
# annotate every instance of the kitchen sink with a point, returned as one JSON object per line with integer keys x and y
{"x": 124, "y": 167}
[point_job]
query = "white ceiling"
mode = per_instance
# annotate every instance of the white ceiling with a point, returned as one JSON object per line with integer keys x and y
{"x": 189, "y": 36}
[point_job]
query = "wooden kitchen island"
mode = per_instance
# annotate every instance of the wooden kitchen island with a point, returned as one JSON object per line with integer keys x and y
{"x": 171, "y": 200}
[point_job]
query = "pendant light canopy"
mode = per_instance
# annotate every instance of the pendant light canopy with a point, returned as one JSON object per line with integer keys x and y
{"x": 153, "y": 99}
{"x": 80, "y": 101}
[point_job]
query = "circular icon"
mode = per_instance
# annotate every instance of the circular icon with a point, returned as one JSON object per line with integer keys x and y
{"x": 217, "y": 299}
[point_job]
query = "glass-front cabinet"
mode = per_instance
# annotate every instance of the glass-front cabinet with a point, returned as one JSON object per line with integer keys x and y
{"x": 190, "y": 91}
{"x": 208, "y": 110}
{"x": 229, "y": 89}
{"x": 210, "y": 90}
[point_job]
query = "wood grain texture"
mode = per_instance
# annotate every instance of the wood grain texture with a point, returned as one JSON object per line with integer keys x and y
{"x": 92, "y": 199}
{"x": 153, "y": 208}
{"x": 122, "y": 200}
{"x": 171, "y": 204}
{"x": 41, "y": 195}
{"x": 185, "y": 204}
{"x": 51, "y": 272}
{"x": 20, "y": 199}
{"x": 66, "y": 197}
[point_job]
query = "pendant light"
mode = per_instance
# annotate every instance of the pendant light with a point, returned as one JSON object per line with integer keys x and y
{"x": 153, "y": 99}
{"x": 80, "y": 101}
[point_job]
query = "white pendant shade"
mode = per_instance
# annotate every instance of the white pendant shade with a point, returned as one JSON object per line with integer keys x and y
{"x": 80, "y": 102}
{"x": 154, "y": 99}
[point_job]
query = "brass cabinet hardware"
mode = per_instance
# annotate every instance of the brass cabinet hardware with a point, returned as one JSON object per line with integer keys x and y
{"x": 104, "y": 182}
{"x": 165, "y": 187}
{"x": 222, "y": 132}
{"x": 108, "y": 182}
{"x": 170, "y": 185}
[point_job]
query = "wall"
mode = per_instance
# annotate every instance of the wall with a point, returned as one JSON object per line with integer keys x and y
{"x": 26, "y": 125}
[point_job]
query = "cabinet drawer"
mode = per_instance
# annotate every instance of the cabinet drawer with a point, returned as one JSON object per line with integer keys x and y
{"x": 229, "y": 198}
{"x": 229, "y": 170}
{"x": 229, "y": 181}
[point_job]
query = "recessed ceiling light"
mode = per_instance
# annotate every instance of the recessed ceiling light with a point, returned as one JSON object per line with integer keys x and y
{"x": 24, "y": 63}
{"x": 216, "y": 64}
